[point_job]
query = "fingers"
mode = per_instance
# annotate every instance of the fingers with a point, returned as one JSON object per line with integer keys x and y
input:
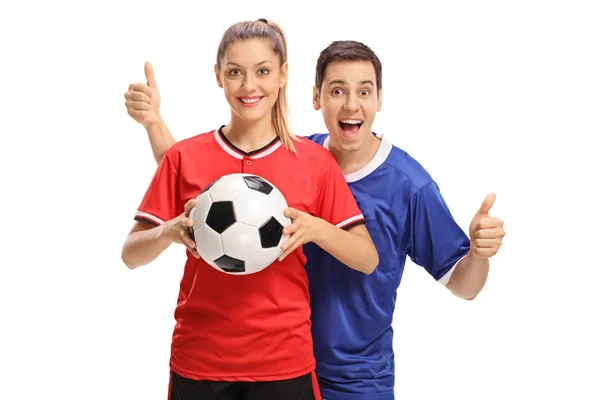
{"x": 138, "y": 115}
{"x": 488, "y": 243}
{"x": 137, "y": 105}
{"x": 137, "y": 101}
{"x": 139, "y": 87}
{"x": 491, "y": 233}
{"x": 288, "y": 247}
{"x": 191, "y": 249}
{"x": 490, "y": 223}
{"x": 138, "y": 96}
{"x": 292, "y": 228}
{"x": 194, "y": 252}
{"x": 186, "y": 239}
{"x": 291, "y": 213}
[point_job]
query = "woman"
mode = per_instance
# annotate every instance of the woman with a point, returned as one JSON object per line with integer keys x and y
{"x": 248, "y": 337}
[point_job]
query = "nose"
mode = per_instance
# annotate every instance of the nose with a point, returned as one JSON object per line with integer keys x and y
{"x": 351, "y": 104}
{"x": 249, "y": 82}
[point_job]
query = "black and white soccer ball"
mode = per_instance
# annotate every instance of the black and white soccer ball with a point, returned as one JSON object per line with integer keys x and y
{"x": 238, "y": 223}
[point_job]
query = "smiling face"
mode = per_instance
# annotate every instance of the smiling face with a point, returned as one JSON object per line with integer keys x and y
{"x": 349, "y": 100}
{"x": 251, "y": 76}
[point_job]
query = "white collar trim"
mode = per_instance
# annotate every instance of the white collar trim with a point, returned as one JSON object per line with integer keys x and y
{"x": 382, "y": 154}
{"x": 263, "y": 153}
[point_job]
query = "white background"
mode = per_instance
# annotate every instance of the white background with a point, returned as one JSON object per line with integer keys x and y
{"x": 488, "y": 96}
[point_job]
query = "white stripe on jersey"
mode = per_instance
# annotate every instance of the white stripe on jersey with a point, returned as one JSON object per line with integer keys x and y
{"x": 151, "y": 217}
{"x": 348, "y": 221}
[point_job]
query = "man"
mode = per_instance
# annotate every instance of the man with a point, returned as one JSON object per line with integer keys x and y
{"x": 406, "y": 216}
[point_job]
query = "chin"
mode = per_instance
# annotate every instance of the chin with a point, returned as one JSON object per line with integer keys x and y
{"x": 352, "y": 146}
{"x": 252, "y": 115}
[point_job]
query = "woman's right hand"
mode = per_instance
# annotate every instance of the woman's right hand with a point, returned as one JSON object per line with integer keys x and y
{"x": 177, "y": 229}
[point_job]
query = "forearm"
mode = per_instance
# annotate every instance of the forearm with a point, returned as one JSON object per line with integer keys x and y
{"x": 160, "y": 138}
{"x": 143, "y": 247}
{"x": 469, "y": 276}
{"x": 353, "y": 248}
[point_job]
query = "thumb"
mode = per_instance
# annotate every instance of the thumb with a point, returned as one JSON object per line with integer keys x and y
{"x": 487, "y": 204}
{"x": 189, "y": 207}
{"x": 291, "y": 213}
{"x": 149, "y": 71}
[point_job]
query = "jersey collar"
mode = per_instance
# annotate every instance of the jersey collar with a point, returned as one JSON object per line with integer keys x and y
{"x": 385, "y": 147}
{"x": 233, "y": 151}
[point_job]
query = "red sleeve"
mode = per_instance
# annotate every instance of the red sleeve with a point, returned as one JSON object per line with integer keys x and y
{"x": 161, "y": 201}
{"x": 335, "y": 203}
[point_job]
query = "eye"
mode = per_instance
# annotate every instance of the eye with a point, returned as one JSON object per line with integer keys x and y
{"x": 365, "y": 92}
{"x": 263, "y": 71}
{"x": 234, "y": 72}
{"x": 337, "y": 92}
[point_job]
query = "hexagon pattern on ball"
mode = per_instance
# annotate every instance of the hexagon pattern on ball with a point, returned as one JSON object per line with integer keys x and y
{"x": 278, "y": 205}
{"x": 256, "y": 205}
{"x": 212, "y": 245}
{"x": 238, "y": 223}
{"x": 227, "y": 189}
{"x": 240, "y": 241}
{"x": 209, "y": 186}
{"x": 200, "y": 210}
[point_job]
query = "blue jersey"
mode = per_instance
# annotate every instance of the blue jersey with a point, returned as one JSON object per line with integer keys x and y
{"x": 352, "y": 312}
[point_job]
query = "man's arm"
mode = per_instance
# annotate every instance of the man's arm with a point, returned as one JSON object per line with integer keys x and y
{"x": 142, "y": 101}
{"x": 486, "y": 233}
{"x": 160, "y": 138}
{"x": 469, "y": 276}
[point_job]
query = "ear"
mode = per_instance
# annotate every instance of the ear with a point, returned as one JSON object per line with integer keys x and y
{"x": 283, "y": 78}
{"x": 316, "y": 100}
{"x": 379, "y": 93}
{"x": 218, "y": 76}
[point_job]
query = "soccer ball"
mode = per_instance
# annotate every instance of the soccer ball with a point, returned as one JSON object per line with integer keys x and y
{"x": 238, "y": 223}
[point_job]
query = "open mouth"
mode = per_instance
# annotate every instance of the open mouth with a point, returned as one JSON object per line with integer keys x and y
{"x": 350, "y": 127}
{"x": 250, "y": 101}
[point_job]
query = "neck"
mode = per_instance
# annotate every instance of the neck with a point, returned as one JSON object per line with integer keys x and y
{"x": 249, "y": 136}
{"x": 352, "y": 161}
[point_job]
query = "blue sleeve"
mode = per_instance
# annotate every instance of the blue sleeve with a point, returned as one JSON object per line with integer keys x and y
{"x": 318, "y": 138}
{"x": 436, "y": 241}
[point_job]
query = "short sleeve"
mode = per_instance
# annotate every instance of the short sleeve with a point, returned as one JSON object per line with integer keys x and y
{"x": 437, "y": 243}
{"x": 161, "y": 201}
{"x": 335, "y": 203}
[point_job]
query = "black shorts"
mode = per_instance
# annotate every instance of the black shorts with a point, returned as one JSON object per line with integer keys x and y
{"x": 304, "y": 387}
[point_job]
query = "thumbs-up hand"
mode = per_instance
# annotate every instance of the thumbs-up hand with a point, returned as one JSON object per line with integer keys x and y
{"x": 143, "y": 99}
{"x": 486, "y": 232}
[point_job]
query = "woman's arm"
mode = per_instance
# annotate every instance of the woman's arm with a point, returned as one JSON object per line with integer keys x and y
{"x": 352, "y": 247}
{"x": 146, "y": 242}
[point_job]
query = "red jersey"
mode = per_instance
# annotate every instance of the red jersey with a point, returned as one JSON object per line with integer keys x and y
{"x": 248, "y": 327}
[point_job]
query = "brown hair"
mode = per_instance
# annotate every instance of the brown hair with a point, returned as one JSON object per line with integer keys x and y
{"x": 347, "y": 50}
{"x": 263, "y": 29}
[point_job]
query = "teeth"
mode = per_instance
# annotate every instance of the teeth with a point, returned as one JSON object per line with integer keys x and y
{"x": 250, "y": 101}
{"x": 351, "y": 121}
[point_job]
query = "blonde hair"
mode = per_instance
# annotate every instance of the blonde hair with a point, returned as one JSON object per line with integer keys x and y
{"x": 263, "y": 29}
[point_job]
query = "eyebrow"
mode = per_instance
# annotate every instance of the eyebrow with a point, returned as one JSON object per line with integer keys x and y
{"x": 343, "y": 82}
{"x": 256, "y": 65}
